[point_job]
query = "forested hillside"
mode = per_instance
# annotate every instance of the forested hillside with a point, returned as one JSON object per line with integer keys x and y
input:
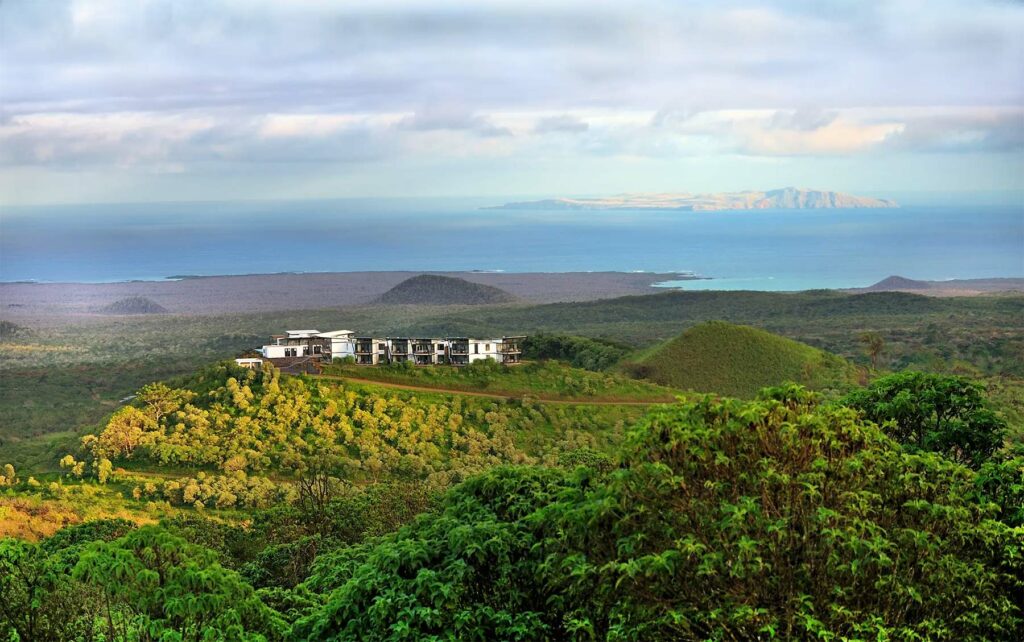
{"x": 785, "y": 517}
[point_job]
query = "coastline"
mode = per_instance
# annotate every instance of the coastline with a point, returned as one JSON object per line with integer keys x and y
{"x": 303, "y": 290}
{"x": 245, "y": 293}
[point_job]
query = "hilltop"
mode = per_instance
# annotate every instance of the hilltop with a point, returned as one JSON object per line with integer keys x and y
{"x": 895, "y": 282}
{"x": 738, "y": 361}
{"x": 785, "y": 198}
{"x": 133, "y": 305}
{"x": 435, "y": 289}
{"x": 949, "y": 287}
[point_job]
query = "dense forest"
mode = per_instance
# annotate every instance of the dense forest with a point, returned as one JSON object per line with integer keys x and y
{"x": 146, "y": 494}
{"x": 305, "y": 509}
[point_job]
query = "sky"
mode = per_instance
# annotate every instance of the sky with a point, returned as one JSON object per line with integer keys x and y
{"x": 164, "y": 100}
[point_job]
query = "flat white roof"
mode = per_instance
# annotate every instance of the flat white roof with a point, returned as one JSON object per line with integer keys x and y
{"x": 301, "y": 333}
{"x": 335, "y": 333}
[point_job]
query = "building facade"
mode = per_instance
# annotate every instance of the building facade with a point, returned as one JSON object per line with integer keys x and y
{"x": 369, "y": 350}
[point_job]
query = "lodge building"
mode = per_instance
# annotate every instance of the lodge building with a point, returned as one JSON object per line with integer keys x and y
{"x": 369, "y": 350}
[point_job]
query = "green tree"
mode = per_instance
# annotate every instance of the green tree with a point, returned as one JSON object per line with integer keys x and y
{"x": 781, "y": 518}
{"x": 1002, "y": 482}
{"x": 874, "y": 346}
{"x": 468, "y": 573}
{"x": 156, "y": 586}
{"x": 158, "y": 400}
{"x": 39, "y": 600}
{"x": 941, "y": 413}
{"x": 28, "y": 581}
{"x": 123, "y": 433}
{"x": 104, "y": 469}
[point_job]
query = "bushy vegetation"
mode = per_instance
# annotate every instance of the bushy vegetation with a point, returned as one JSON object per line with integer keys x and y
{"x": 945, "y": 414}
{"x": 579, "y": 352}
{"x": 785, "y": 517}
{"x": 237, "y": 426}
{"x": 542, "y": 380}
{"x": 738, "y": 361}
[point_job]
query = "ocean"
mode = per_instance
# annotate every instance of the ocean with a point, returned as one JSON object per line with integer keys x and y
{"x": 753, "y": 250}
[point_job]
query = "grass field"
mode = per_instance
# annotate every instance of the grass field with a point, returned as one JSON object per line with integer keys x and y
{"x": 738, "y": 361}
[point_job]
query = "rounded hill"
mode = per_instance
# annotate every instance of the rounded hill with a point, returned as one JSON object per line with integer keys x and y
{"x": 133, "y": 305}
{"x": 738, "y": 361}
{"x": 898, "y": 283}
{"x": 434, "y": 289}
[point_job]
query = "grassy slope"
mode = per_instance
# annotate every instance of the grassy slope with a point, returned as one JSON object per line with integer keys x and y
{"x": 549, "y": 380}
{"x": 739, "y": 360}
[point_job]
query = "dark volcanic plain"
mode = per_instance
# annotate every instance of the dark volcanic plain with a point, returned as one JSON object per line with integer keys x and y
{"x": 270, "y": 292}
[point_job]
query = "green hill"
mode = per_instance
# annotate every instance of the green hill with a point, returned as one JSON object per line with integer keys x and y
{"x": 738, "y": 361}
{"x": 434, "y": 289}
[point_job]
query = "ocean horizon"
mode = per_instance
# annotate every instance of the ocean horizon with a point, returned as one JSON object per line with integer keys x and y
{"x": 771, "y": 250}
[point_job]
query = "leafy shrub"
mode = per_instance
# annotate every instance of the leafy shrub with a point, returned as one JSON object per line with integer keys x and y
{"x": 726, "y": 520}
{"x": 941, "y": 413}
{"x": 579, "y": 352}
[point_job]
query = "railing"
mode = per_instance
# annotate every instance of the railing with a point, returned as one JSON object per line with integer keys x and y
{"x": 365, "y": 348}
{"x": 460, "y": 350}
{"x": 422, "y": 349}
{"x": 511, "y": 349}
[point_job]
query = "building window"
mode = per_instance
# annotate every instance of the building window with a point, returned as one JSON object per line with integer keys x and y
{"x": 487, "y": 348}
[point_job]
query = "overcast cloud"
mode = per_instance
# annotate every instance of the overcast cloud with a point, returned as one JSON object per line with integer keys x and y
{"x": 156, "y": 99}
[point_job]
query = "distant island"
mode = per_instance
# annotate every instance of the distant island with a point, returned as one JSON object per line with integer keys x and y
{"x": 785, "y": 198}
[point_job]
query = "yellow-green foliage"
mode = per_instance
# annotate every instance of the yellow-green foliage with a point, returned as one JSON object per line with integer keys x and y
{"x": 34, "y": 512}
{"x": 241, "y": 422}
{"x": 739, "y": 360}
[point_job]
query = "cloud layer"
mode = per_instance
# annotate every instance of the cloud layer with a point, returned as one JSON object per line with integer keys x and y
{"x": 157, "y": 87}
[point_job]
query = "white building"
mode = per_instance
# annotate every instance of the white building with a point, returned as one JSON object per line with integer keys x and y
{"x": 369, "y": 350}
{"x": 304, "y": 343}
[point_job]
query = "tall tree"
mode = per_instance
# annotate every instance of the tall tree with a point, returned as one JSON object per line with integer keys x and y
{"x": 874, "y": 346}
{"x": 942, "y": 413}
